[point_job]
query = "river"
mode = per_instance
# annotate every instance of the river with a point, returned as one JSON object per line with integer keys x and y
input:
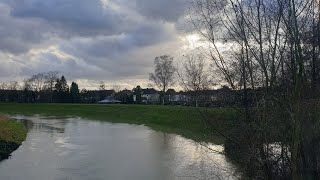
{"x": 78, "y": 149}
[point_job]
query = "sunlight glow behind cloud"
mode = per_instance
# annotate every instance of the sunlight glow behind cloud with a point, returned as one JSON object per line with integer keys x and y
{"x": 91, "y": 41}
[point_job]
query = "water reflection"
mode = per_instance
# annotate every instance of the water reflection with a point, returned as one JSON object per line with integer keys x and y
{"x": 76, "y": 149}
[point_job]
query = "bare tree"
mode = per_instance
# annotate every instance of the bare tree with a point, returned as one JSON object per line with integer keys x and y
{"x": 194, "y": 76}
{"x": 272, "y": 59}
{"x": 163, "y": 76}
{"x": 26, "y": 85}
{"x": 37, "y": 82}
{"x": 13, "y": 85}
{"x": 50, "y": 79}
{"x": 43, "y": 84}
{"x": 3, "y": 86}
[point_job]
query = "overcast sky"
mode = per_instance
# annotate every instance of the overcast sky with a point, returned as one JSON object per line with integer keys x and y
{"x": 88, "y": 41}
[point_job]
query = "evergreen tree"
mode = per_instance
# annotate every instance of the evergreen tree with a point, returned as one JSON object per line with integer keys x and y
{"x": 74, "y": 91}
{"x": 62, "y": 90}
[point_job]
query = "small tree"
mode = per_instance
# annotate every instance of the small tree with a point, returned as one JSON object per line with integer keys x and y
{"x": 163, "y": 76}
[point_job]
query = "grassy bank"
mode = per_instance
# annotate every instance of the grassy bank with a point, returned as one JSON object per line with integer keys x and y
{"x": 12, "y": 134}
{"x": 186, "y": 121}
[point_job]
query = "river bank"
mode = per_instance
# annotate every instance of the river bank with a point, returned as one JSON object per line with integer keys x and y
{"x": 186, "y": 121}
{"x": 12, "y": 134}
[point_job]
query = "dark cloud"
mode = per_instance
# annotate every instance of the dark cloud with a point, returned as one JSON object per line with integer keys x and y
{"x": 85, "y": 17}
{"x": 88, "y": 39}
{"x": 111, "y": 46}
{"x": 168, "y": 10}
{"x": 18, "y": 35}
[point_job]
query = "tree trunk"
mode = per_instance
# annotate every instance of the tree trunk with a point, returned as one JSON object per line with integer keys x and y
{"x": 163, "y": 94}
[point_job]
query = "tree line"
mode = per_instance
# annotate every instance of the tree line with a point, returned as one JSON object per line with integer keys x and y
{"x": 42, "y": 87}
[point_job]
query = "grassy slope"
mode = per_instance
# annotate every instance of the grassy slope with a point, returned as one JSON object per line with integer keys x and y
{"x": 12, "y": 134}
{"x": 11, "y": 131}
{"x": 186, "y": 121}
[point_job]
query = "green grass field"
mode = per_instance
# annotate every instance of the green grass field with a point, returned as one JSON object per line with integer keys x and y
{"x": 185, "y": 121}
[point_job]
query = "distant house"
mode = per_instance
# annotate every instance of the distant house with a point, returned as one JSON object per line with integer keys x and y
{"x": 172, "y": 96}
{"x": 148, "y": 96}
{"x": 219, "y": 97}
{"x": 144, "y": 100}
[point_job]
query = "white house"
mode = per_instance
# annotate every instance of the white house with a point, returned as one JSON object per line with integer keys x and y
{"x": 148, "y": 96}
